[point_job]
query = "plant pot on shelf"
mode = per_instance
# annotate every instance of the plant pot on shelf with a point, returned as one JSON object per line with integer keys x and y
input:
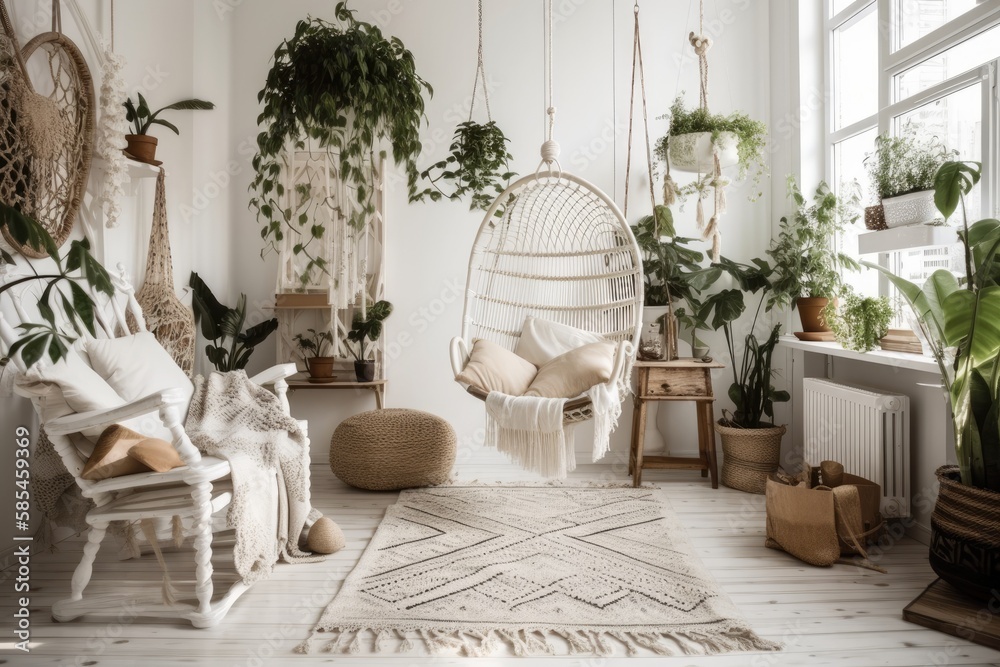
{"x": 811, "y": 313}
{"x": 965, "y": 536}
{"x": 749, "y": 455}
{"x": 695, "y": 152}
{"x": 875, "y": 218}
{"x": 911, "y": 209}
{"x": 320, "y": 367}
{"x": 364, "y": 370}
{"x": 142, "y": 147}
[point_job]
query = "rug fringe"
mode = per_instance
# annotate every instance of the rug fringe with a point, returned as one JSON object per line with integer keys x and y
{"x": 536, "y": 642}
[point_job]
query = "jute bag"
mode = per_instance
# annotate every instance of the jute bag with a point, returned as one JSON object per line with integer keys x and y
{"x": 816, "y": 525}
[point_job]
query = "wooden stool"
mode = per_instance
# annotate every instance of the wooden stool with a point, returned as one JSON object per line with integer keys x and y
{"x": 678, "y": 380}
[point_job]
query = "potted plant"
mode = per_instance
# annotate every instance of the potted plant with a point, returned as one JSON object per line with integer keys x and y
{"x": 367, "y": 326}
{"x": 696, "y": 135}
{"x": 960, "y": 319}
{"x": 340, "y": 89}
{"x": 751, "y": 442}
{"x": 141, "y": 146}
{"x": 672, "y": 272}
{"x": 694, "y": 315}
{"x": 860, "y": 322}
{"x": 313, "y": 346}
{"x": 807, "y": 265}
{"x": 219, "y": 323}
{"x": 902, "y": 172}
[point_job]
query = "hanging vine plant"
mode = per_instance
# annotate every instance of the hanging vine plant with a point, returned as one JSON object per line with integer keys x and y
{"x": 344, "y": 87}
{"x": 478, "y": 161}
{"x": 476, "y": 166}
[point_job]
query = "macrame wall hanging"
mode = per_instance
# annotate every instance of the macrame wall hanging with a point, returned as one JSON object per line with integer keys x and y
{"x": 112, "y": 128}
{"x": 170, "y": 320}
{"x": 46, "y": 137}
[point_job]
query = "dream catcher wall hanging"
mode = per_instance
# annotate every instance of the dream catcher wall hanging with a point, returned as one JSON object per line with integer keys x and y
{"x": 47, "y": 134}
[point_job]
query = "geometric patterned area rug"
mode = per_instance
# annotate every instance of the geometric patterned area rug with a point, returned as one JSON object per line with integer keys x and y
{"x": 467, "y": 570}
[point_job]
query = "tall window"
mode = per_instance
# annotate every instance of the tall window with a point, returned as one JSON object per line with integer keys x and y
{"x": 928, "y": 66}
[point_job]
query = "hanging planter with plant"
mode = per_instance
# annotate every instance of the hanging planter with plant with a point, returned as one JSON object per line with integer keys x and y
{"x": 341, "y": 88}
{"x": 478, "y": 161}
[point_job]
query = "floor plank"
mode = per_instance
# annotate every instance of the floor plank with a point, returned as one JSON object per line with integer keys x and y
{"x": 841, "y": 615}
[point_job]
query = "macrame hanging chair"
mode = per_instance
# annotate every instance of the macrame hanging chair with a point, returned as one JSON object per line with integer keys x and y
{"x": 555, "y": 247}
{"x": 46, "y": 130}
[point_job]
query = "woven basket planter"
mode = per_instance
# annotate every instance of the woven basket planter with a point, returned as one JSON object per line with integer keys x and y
{"x": 749, "y": 456}
{"x": 965, "y": 536}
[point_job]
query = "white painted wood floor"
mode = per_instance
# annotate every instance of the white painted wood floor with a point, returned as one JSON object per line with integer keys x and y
{"x": 843, "y": 615}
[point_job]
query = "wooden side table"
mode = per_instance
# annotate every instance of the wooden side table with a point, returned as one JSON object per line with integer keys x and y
{"x": 377, "y": 387}
{"x": 678, "y": 380}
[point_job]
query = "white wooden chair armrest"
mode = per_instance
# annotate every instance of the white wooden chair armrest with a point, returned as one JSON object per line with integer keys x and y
{"x": 274, "y": 374}
{"x": 101, "y": 418}
{"x": 459, "y": 352}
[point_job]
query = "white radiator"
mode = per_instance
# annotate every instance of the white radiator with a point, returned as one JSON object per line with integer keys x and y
{"x": 865, "y": 429}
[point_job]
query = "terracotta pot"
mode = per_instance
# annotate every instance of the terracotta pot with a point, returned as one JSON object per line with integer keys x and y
{"x": 320, "y": 367}
{"x": 749, "y": 455}
{"x": 810, "y": 312}
{"x": 965, "y": 536}
{"x": 141, "y": 146}
{"x": 364, "y": 370}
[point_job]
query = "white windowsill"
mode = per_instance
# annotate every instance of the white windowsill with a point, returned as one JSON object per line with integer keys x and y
{"x": 907, "y": 238}
{"x": 915, "y": 362}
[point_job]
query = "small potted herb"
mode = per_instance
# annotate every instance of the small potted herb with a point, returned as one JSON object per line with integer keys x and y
{"x": 313, "y": 346}
{"x": 141, "y": 146}
{"x": 367, "y": 326}
{"x": 860, "y": 322}
{"x": 902, "y": 171}
{"x": 807, "y": 266}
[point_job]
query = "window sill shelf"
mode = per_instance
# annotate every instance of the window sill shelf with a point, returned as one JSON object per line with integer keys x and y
{"x": 915, "y": 362}
{"x": 906, "y": 238}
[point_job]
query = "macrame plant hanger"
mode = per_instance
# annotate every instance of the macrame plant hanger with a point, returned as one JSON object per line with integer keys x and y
{"x": 480, "y": 73}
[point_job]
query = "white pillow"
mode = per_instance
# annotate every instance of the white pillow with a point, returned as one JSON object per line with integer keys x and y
{"x": 495, "y": 368}
{"x": 67, "y": 387}
{"x": 542, "y": 341}
{"x": 573, "y": 373}
{"x": 137, "y": 366}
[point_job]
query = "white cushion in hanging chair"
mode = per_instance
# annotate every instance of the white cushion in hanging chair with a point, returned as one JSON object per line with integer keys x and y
{"x": 695, "y": 151}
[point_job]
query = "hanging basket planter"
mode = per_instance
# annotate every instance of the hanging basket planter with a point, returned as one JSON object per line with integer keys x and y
{"x": 694, "y": 152}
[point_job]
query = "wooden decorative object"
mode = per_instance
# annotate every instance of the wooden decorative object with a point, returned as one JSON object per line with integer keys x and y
{"x": 901, "y": 340}
{"x": 940, "y": 607}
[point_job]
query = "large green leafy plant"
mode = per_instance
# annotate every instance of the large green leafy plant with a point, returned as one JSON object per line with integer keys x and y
{"x": 960, "y": 318}
{"x": 672, "y": 270}
{"x": 230, "y": 347}
{"x": 805, "y": 256}
{"x": 344, "y": 87}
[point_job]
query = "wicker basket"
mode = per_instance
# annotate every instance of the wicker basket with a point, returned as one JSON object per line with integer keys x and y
{"x": 749, "y": 456}
{"x": 875, "y": 218}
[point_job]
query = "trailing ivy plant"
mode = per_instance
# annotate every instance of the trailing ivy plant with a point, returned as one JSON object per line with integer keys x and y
{"x": 345, "y": 87}
{"x": 477, "y": 166}
{"x": 860, "y": 322}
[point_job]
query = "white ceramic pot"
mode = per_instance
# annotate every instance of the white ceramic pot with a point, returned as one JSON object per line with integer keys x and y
{"x": 695, "y": 152}
{"x": 912, "y": 209}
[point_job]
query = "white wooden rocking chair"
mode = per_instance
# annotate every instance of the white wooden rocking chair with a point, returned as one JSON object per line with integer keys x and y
{"x": 195, "y": 491}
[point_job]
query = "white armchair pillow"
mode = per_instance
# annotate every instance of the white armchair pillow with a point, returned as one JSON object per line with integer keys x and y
{"x": 542, "y": 341}
{"x": 137, "y": 366}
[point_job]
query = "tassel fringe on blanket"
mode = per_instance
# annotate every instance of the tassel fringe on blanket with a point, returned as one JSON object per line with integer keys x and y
{"x": 528, "y": 642}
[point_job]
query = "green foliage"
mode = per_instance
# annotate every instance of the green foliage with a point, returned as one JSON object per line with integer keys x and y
{"x": 806, "y": 261}
{"x": 477, "y": 166}
{"x": 79, "y": 308}
{"x": 220, "y": 323}
{"x": 343, "y": 87}
{"x": 960, "y": 319}
{"x": 752, "y": 135}
{"x": 904, "y": 164}
{"x": 313, "y": 343}
{"x": 860, "y": 322}
{"x": 672, "y": 270}
{"x": 142, "y": 118}
{"x": 367, "y": 326}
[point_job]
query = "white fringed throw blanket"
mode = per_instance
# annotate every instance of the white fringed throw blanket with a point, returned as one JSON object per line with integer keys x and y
{"x": 531, "y": 432}
{"x": 232, "y": 418}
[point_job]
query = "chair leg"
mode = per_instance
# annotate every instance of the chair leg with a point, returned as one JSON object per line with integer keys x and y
{"x": 83, "y": 572}
{"x": 202, "y": 495}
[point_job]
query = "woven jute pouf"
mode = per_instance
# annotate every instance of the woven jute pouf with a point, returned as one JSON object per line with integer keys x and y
{"x": 392, "y": 449}
{"x": 749, "y": 456}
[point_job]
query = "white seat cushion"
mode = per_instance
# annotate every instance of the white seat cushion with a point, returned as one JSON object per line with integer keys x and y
{"x": 542, "y": 341}
{"x": 137, "y": 366}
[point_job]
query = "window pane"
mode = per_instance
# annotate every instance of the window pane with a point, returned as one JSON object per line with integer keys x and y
{"x": 957, "y": 120}
{"x": 855, "y": 69}
{"x": 961, "y": 58}
{"x": 849, "y": 166}
{"x": 915, "y": 18}
{"x": 838, "y": 6}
